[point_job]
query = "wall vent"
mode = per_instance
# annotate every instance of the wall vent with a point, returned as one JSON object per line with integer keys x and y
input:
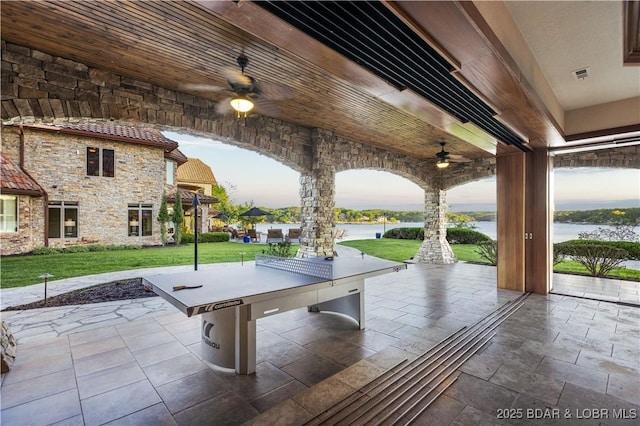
{"x": 581, "y": 73}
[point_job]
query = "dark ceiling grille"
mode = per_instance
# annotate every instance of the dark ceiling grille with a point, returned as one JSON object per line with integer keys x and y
{"x": 371, "y": 35}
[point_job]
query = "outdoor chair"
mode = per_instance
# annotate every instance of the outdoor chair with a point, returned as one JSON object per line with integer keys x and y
{"x": 275, "y": 236}
{"x": 255, "y": 236}
{"x": 293, "y": 234}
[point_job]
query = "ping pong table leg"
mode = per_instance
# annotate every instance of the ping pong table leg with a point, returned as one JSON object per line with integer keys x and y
{"x": 351, "y": 304}
{"x": 245, "y": 341}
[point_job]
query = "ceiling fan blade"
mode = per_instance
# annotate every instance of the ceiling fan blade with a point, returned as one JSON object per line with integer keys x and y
{"x": 266, "y": 107}
{"x": 224, "y": 106}
{"x": 203, "y": 87}
{"x": 237, "y": 78}
{"x": 457, "y": 157}
{"x": 459, "y": 160}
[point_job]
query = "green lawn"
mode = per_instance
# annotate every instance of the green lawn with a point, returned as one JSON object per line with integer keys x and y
{"x": 18, "y": 271}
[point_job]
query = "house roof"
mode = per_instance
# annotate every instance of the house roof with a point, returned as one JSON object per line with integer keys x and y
{"x": 143, "y": 136}
{"x": 187, "y": 198}
{"x": 13, "y": 180}
{"x": 194, "y": 170}
{"x": 177, "y": 156}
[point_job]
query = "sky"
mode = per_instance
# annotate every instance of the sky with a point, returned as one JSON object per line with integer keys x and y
{"x": 256, "y": 179}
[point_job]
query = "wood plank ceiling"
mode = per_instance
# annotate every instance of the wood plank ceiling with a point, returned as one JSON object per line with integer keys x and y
{"x": 170, "y": 44}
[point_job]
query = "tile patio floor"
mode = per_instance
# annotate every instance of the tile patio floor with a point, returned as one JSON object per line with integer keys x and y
{"x": 138, "y": 362}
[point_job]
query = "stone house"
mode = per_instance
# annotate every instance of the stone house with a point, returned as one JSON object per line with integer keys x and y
{"x": 194, "y": 176}
{"x": 75, "y": 184}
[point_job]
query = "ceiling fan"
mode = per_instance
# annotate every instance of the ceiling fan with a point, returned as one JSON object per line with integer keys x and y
{"x": 245, "y": 90}
{"x": 445, "y": 158}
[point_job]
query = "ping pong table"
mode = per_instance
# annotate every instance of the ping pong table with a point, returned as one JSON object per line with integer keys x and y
{"x": 232, "y": 296}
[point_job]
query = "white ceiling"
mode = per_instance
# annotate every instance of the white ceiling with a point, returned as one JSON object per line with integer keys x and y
{"x": 568, "y": 35}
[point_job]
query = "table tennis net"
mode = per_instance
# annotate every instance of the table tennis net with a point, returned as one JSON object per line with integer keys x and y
{"x": 296, "y": 266}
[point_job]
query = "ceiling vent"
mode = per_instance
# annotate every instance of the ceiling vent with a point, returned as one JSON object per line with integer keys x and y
{"x": 581, "y": 73}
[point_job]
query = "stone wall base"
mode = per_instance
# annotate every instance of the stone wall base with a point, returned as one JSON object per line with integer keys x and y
{"x": 436, "y": 252}
{"x": 9, "y": 348}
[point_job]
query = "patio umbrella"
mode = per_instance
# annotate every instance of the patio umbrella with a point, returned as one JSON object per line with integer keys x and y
{"x": 254, "y": 212}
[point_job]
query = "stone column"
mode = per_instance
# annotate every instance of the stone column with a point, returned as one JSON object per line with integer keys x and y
{"x": 317, "y": 192}
{"x": 435, "y": 248}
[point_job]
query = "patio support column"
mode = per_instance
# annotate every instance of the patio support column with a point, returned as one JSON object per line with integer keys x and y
{"x": 317, "y": 192}
{"x": 435, "y": 247}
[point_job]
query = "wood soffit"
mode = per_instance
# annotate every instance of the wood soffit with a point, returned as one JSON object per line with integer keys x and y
{"x": 170, "y": 43}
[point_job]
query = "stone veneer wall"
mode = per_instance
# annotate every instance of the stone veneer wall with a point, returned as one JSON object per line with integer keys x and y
{"x": 620, "y": 156}
{"x": 58, "y": 163}
{"x": 30, "y": 227}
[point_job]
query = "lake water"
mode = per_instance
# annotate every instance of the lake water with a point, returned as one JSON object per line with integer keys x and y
{"x": 561, "y": 231}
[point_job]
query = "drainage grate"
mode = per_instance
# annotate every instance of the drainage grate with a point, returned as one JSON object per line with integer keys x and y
{"x": 404, "y": 392}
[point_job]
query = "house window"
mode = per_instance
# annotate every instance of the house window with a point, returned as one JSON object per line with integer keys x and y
{"x": 140, "y": 220}
{"x": 169, "y": 168}
{"x": 63, "y": 219}
{"x": 8, "y": 213}
{"x": 100, "y": 162}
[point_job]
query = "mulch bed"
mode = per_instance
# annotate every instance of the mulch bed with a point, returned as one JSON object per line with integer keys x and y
{"x": 108, "y": 292}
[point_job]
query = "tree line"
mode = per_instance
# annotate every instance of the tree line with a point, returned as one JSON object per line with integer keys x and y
{"x": 344, "y": 215}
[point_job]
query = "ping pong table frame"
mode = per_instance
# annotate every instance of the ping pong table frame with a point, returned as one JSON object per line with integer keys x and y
{"x": 229, "y": 332}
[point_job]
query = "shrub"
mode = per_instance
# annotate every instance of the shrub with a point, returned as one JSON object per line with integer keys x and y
{"x": 282, "y": 249}
{"x": 114, "y": 247}
{"x": 46, "y": 250}
{"x": 454, "y": 235}
{"x": 177, "y": 218}
{"x": 76, "y": 249}
{"x": 405, "y": 233}
{"x": 618, "y": 232}
{"x": 466, "y": 236}
{"x": 598, "y": 259}
{"x": 488, "y": 250}
{"x": 632, "y": 248}
{"x": 558, "y": 255}
{"x": 97, "y": 247}
{"x": 213, "y": 237}
{"x": 186, "y": 239}
{"x": 163, "y": 218}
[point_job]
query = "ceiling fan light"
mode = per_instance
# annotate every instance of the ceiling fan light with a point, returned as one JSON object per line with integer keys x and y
{"x": 241, "y": 104}
{"x": 442, "y": 164}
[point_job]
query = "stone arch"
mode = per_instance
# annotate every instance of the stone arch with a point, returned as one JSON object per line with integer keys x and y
{"x": 463, "y": 173}
{"x": 289, "y": 147}
{"x": 625, "y": 157}
{"x": 352, "y": 156}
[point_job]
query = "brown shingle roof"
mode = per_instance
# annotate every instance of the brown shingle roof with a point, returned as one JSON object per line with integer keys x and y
{"x": 129, "y": 134}
{"x": 177, "y": 156}
{"x": 15, "y": 181}
{"x": 194, "y": 170}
